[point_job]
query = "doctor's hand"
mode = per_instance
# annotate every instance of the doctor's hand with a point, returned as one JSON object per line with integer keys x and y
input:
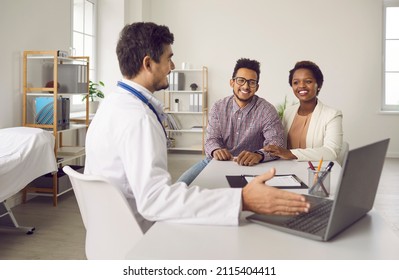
{"x": 280, "y": 152}
{"x": 263, "y": 199}
{"x": 222, "y": 154}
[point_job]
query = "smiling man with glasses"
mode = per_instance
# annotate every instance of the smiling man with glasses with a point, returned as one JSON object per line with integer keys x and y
{"x": 240, "y": 124}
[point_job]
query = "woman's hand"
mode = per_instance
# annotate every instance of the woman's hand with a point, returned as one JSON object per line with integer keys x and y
{"x": 280, "y": 152}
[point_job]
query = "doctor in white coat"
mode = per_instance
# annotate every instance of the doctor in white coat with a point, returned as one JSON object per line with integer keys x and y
{"x": 126, "y": 143}
{"x": 312, "y": 129}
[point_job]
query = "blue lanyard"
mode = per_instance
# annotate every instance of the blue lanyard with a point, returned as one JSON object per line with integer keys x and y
{"x": 136, "y": 93}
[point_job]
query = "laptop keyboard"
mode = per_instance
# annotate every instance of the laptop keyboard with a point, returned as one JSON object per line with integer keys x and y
{"x": 313, "y": 221}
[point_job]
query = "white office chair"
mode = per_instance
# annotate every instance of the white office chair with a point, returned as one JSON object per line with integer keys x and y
{"x": 342, "y": 154}
{"x": 111, "y": 228}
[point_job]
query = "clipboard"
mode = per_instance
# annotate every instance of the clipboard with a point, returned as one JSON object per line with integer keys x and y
{"x": 239, "y": 181}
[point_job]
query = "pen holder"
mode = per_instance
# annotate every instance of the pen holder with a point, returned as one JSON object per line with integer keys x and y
{"x": 319, "y": 182}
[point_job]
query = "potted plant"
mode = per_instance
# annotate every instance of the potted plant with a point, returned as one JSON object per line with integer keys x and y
{"x": 94, "y": 91}
{"x": 282, "y": 106}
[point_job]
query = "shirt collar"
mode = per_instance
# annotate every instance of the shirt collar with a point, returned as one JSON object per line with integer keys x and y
{"x": 247, "y": 108}
{"x": 158, "y": 105}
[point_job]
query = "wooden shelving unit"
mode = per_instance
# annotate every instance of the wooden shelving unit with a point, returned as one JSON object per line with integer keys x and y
{"x": 51, "y": 76}
{"x": 191, "y": 116}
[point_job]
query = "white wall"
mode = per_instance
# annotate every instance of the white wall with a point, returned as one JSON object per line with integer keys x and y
{"x": 27, "y": 25}
{"x": 110, "y": 22}
{"x": 112, "y": 17}
{"x": 342, "y": 37}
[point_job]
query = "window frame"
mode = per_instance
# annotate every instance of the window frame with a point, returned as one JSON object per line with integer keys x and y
{"x": 76, "y": 105}
{"x": 387, "y": 107}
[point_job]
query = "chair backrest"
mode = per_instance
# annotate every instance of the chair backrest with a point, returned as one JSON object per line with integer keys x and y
{"x": 111, "y": 228}
{"x": 342, "y": 154}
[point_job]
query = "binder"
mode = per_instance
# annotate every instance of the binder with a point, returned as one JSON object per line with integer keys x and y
{"x": 66, "y": 105}
{"x": 191, "y": 107}
{"x": 178, "y": 81}
{"x": 171, "y": 81}
{"x": 195, "y": 107}
{"x": 200, "y": 102}
{"x": 45, "y": 110}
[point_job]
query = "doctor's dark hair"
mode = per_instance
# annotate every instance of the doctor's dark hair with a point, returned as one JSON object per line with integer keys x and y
{"x": 311, "y": 66}
{"x": 138, "y": 40}
{"x": 249, "y": 64}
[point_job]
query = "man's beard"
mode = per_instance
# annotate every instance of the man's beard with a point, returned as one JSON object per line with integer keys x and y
{"x": 161, "y": 86}
{"x": 243, "y": 100}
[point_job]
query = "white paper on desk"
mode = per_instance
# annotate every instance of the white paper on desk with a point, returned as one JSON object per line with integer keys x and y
{"x": 280, "y": 181}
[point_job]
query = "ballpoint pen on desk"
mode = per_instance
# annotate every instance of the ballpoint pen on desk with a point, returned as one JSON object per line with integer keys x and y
{"x": 321, "y": 178}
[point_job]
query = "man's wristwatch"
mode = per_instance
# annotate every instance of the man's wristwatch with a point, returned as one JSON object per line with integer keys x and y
{"x": 260, "y": 153}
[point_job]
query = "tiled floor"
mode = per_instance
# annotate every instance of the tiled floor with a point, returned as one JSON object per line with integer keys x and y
{"x": 60, "y": 233}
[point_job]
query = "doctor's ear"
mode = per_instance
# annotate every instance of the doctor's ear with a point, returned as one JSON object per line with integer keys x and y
{"x": 147, "y": 63}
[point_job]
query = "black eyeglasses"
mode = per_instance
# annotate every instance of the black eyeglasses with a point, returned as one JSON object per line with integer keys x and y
{"x": 241, "y": 81}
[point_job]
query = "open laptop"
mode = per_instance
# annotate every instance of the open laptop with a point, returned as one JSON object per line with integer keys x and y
{"x": 354, "y": 197}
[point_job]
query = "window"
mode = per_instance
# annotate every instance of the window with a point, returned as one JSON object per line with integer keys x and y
{"x": 84, "y": 38}
{"x": 391, "y": 56}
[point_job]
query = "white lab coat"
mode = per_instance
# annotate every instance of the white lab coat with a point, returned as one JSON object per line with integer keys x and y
{"x": 126, "y": 144}
{"x": 324, "y": 136}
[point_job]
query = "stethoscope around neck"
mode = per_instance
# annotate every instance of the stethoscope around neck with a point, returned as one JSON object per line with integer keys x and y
{"x": 140, "y": 96}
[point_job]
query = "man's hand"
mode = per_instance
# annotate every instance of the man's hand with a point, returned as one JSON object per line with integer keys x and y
{"x": 263, "y": 199}
{"x": 222, "y": 154}
{"x": 280, "y": 152}
{"x": 248, "y": 158}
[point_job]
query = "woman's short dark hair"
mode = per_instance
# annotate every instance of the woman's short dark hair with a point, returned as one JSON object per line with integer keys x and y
{"x": 138, "y": 40}
{"x": 249, "y": 64}
{"x": 310, "y": 66}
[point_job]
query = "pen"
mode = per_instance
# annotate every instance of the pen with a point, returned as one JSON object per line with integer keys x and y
{"x": 311, "y": 166}
{"x": 321, "y": 178}
{"x": 320, "y": 164}
{"x": 318, "y": 169}
{"x": 329, "y": 166}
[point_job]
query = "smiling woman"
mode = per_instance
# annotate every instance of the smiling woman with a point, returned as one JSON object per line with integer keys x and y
{"x": 312, "y": 129}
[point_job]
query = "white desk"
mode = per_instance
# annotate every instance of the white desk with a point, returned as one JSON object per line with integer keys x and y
{"x": 214, "y": 175}
{"x": 370, "y": 238}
